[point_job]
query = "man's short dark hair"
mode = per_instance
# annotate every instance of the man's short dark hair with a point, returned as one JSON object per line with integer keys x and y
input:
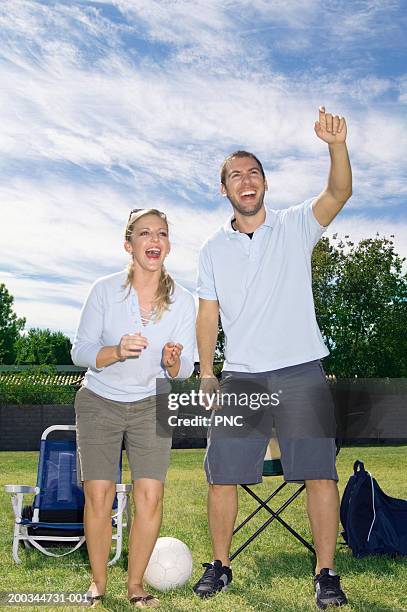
{"x": 238, "y": 154}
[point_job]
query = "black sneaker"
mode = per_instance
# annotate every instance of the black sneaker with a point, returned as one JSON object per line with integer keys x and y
{"x": 328, "y": 590}
{"x": 215, "y": 578}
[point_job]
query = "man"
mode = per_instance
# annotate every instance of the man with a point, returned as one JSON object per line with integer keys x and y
{"x": 256, "y": 271}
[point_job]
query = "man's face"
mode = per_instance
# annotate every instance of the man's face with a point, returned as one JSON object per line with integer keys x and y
{"x": 244, "y": 185}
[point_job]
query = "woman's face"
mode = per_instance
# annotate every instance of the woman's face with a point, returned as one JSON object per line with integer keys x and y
{"x": 149, "y": 243}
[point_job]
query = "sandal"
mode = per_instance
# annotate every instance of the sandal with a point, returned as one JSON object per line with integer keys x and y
{"x": 149, "y": 601}
{"x": 94, "y": 600}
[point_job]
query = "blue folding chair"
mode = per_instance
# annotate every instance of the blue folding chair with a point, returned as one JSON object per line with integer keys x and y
{"x": 56, "y": 515}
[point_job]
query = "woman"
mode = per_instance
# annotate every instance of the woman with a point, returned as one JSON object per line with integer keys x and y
{"x": 135, "y": 327}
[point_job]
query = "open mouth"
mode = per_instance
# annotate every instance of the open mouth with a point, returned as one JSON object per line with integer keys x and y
{"x": 153, "y": 253}
{"x": 248, "y": 194}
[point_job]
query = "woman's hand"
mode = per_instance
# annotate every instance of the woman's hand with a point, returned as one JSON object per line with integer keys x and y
{"x": 131, "y": 345}
{"x": 171, "y": 353}
{"x": 171, "y": 357}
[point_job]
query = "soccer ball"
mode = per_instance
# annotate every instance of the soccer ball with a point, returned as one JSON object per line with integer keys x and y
{"x": 170, "y": 564}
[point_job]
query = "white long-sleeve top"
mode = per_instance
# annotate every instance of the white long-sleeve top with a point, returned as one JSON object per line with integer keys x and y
{"x": 110, "y": 312}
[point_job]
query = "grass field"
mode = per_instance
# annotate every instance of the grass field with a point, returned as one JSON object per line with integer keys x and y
{"x": 274, "y": 574}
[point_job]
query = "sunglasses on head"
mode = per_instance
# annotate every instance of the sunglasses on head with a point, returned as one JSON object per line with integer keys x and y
{"x": 136, "y": 210}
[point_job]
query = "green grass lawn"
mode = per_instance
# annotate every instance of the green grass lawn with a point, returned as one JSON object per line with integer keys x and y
{"x": 273, "y": 574}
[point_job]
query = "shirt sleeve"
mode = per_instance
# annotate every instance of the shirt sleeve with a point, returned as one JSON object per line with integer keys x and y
{"x": 303, "y": 219}
{"x": 87, "y": 342}
{"x": 206, "y": 282}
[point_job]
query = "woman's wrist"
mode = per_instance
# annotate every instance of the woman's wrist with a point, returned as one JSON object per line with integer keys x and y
{"x": 173, "y": 369}
{"x": 117, "y": 353}
{"x": 107, "y": 355}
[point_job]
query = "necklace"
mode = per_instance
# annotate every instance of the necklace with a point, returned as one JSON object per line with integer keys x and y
{"x": 146, "y": 315}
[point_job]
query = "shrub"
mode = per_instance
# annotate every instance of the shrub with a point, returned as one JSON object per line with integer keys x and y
{"x": 35, "y": 386}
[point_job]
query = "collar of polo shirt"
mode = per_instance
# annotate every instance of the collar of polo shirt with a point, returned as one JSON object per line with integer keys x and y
{"x": 230, "y": 232}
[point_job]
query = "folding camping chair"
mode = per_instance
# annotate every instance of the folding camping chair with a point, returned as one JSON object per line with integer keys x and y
{"x": 271, "y": 467}
{"x": 56, "y": 516}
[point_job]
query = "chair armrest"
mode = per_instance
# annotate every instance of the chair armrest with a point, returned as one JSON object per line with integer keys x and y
{"x": 21, "y": 489}
{"x": 123, "y": 488}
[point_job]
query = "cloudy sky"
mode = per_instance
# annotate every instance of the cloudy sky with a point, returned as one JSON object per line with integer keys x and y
{"x": 113, "y": 104}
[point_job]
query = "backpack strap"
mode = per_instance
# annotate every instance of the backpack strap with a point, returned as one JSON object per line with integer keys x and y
{"x": 372, "y": 484}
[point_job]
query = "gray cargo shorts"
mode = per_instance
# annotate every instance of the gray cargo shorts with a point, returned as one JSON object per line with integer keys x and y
{"x": 102, "y": 425}
{"x": 300, "y": 408}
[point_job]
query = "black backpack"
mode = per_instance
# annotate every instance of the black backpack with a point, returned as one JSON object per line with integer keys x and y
{"x": 373, "y": 522}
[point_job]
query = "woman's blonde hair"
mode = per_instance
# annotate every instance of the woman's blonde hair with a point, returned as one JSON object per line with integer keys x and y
{"x": 166, "y": 284}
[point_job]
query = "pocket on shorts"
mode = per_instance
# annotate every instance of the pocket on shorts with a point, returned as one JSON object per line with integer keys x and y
{"x": 85, "y": 403}
{"x": 89, "y": 428}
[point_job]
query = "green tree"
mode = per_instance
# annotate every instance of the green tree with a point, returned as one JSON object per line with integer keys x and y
{"x": 42, "y": 346}
{"x": 220, "y": 343}
{"x": 360, "y": 294}
{"x": 10, "y": 326}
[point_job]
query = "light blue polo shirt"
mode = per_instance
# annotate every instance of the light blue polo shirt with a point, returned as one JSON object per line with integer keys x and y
{"x": 263, "y": 286}
{"x": 110, "y": 312}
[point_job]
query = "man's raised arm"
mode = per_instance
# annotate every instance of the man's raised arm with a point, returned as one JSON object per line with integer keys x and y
{"x": 332, "y": 130}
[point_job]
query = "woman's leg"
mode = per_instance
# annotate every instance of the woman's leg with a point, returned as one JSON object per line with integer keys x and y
{"x": 99, "y": 495}
{"x": 148, "y": 499}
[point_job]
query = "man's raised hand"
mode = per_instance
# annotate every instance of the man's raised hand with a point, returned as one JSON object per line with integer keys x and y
{"x": 330, "y": 128}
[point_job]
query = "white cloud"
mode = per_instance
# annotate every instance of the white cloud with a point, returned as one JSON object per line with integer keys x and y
{"x": 175, "y": 125}
{"x": 45, "y": 304}
{"x": 97, "y": 126}
{"x": 170, "y": 120}
{"x": 56, "y": 255}
{"x": 362, "y": 18}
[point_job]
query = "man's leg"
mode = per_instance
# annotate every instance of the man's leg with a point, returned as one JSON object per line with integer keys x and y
{"x": 222, "y": 512}
{"x": 227, "y": 460}
{"x": 234, "y": 455}
{"x": 323, "y": 514}
{"x": 306, "y": 430}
